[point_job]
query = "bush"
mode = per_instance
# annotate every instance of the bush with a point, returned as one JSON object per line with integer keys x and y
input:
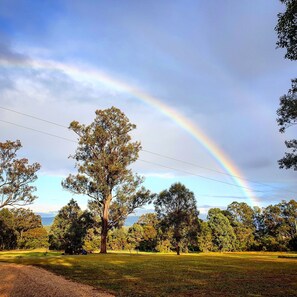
{"x": 34, "y": 238}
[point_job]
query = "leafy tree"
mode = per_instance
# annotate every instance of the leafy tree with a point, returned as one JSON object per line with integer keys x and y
{"x": 34, "y": 238}
{"x": 289, "y": 214}
{"x": 134, "y": 236}
{"x": 286, "y": 29}
{"x": 241, "y": 217}
{"x": 149, "y": 223}
{"x": 279, "y": 226}
{"x": 176, "y": 209}
{"x": 287, "y": 116}
{"x": 205, "y": 237}
{"x": 164, "y": 246}
{"x": 223, "y": 236}
{"x": 69, "y": 228}
{"x": 8, "y": 235}
{"x": 102, "y": 158}
{"x": 16, "y": 175}
{"x": 24, "y": 220}
{"x": 92, "y": 239}
{"x": 117, "y": 239}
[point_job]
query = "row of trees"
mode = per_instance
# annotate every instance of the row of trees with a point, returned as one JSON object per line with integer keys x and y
{"x": 175, "y": 226}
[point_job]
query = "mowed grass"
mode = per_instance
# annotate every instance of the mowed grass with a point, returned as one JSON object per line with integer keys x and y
{"x": 212, "y": 274}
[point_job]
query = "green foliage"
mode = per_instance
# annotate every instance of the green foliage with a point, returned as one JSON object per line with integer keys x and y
{"x": 34, "y": 238}
{"x": 205, "y": 243}
{"x": 276, "y": 226}
{"x": 164, "y": 246}
{"x": 16, "y": 175}
{"x": 8, "y": 234}
{"x": 241, "y": 218}
{"x": 92, "y": 239}
{"x": 102, "y": 158}
{"x": 286, "y": 29}
{"x": 287, "y": 117}
{"x": 149, "y": 223}
{"x": 223, "y": 236}
{"x": 176, "y": 209}
{"x": 69, "y": 228}
{"x": 117, "y": 239}
{"x": 134, "y": 236}
{"x": 18, "y": 227}
{"x": 25, "y": 220}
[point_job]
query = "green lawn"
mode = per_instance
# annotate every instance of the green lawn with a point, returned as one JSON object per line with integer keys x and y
{"x": 213, "y": 274}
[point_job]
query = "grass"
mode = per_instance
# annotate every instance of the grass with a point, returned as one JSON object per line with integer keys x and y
{"x": 213, "y": 274}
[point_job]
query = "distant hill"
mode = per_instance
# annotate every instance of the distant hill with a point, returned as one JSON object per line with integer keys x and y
{"x": 47, "y": 221}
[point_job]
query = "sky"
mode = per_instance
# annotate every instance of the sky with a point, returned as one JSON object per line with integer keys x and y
{"x": 200, "y": 79}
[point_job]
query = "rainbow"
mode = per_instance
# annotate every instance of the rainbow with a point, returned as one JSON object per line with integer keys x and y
{"x": 81, "y": 73}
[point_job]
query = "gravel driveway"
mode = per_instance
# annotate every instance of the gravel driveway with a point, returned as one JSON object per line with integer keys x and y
{"x": 29, "y": 281}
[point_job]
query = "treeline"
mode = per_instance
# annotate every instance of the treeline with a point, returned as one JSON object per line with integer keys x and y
{"x": 174, "y": 226}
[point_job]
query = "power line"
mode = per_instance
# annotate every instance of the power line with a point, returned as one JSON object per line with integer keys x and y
{"x": 33, "y": 117}
{"x": 143, "y": 150}
{"x": 160, "y": 165}
{"x": 194, "y": 174}
{"x": 39, "y": 131}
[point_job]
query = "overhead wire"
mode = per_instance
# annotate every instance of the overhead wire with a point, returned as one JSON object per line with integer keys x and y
{"x": 143, "y": 150}
{"x": 149, "y": 162}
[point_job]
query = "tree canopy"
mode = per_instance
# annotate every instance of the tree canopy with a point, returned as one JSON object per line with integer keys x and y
{"x": 287, "y": 117}
{"x": 286, "y": 29}
{"x": 16, "y": 176}
{"x": 176, "y": 209}
{"x": 69, "y": 228}
{"x": 103, "y": 156}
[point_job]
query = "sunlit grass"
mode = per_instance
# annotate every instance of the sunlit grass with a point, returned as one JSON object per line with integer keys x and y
{"x": 147, "y": 274}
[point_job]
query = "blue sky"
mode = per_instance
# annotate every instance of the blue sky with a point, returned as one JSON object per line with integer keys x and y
{"x": 214, "y": 62}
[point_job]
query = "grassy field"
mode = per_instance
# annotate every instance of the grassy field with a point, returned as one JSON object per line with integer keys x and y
{"x": 213, "y": 274}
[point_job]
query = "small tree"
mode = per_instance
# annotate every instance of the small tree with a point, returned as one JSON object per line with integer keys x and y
{"x": 149, "y": 223}
{"x": 69, "y": 228}
{"x": 8, "y": 235}
{"x": 24, "y": 220}
{"x": 241, "y": 218}
{"x": 134, "y": 236}
{"x": 102, "y": 158}
{"x": 204, "y": 239}
{"x": 34, "y": 238}
{"x": 176, "y": 209}
{"x": 223, "y": 236}
{"x": 16, "y": 175}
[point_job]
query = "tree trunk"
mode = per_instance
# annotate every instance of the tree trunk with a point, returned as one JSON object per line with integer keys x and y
{"x": 177, "y": 249}
{"x": 104, "y": 228}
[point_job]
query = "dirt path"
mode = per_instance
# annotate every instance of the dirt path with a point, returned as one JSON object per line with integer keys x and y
{"x": 29, "y": 281}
